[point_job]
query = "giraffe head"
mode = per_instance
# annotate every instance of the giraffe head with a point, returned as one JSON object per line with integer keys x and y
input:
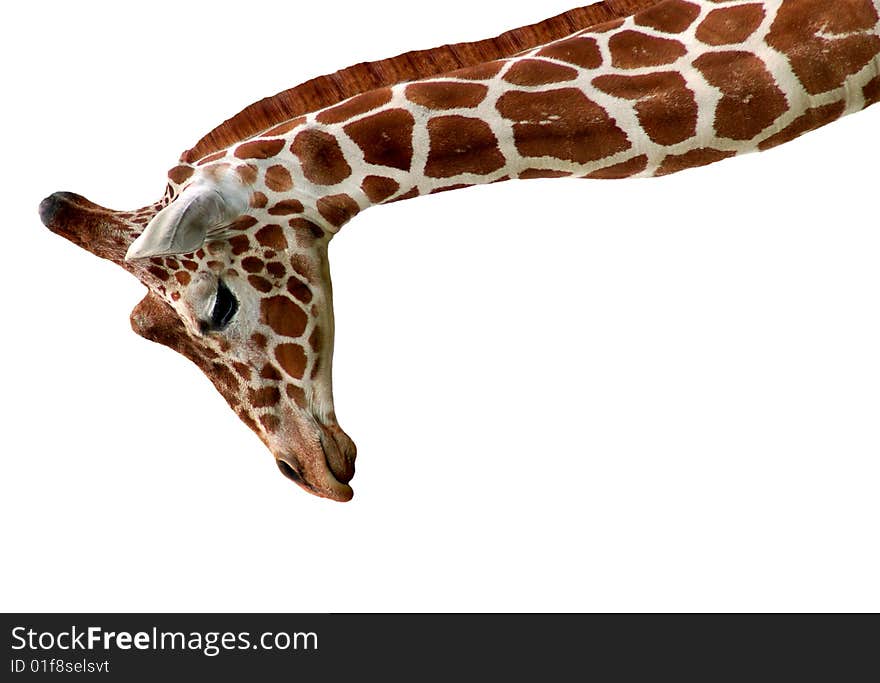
{"x": 243, "y": 294}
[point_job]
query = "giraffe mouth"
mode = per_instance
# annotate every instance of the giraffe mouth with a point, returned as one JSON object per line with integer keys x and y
{"x": 328, "y": 484}
{"x": 324, "y": 466}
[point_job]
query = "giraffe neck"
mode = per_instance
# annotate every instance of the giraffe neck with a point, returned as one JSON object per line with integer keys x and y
{"x": 680, "y": 85}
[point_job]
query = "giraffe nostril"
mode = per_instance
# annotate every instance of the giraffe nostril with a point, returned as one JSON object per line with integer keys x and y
{"x": 289, "y": 472}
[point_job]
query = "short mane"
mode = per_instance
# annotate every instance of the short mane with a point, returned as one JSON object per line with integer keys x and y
{"x": 325, "y": 91}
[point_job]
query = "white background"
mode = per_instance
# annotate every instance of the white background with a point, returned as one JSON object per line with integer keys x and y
{"x": 567, "y": 395}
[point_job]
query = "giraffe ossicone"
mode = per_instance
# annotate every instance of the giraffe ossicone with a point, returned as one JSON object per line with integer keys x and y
{"x": 234, "y": 255}
{"x": 201, "y": 212}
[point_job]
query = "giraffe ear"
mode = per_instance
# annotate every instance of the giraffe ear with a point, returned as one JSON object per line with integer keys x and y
{"x": 201, "y": 211}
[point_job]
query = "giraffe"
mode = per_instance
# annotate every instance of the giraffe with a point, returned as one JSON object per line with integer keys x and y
{"x": 234, "y": 255}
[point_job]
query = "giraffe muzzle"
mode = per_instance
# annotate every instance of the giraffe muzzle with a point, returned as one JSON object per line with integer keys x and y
{"x": 65, "y": 214}
{"x": 318, "y": 457}
{"x": 317, "y": 476}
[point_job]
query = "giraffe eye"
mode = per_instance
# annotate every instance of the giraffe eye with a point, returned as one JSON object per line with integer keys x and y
{"x": 225, "y": 306}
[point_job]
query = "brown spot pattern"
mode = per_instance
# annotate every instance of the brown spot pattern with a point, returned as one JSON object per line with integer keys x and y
{"x": 243, "y": 370}
{"x": 461, "y": 144}
{"x": 284, "y": 128}
{"x": 283, "y": 316}
{"x": 634, "y": 50}
{"x": 730, "y": 25}
{"x": 338, "y": 209}
{"x": 379, "y": 188}
{"x": 259, "y": 149}
{"x": 182, "y": 277}
{"x": 292, "y": 359}
{"x": 302, "y": 267}
{"x": 258, "y": 200}
{"x": 269, "y": 372}
{"x": 304, "y": 225}
{"x": 212, "y": 157}
{"x": 305, "y": 237}
{"x": 272, "y": 236}
{"x": 276, "y": 269}
{"x": 409, "y": 194}
{"x": 286, "y": 207}
{"x": 278, "y": 179}
{"x": 356, "y": 106}
{"x": 825, "y": 41}
{"x": 252, "y": 264}
{"x": 239, "y": 244}
{"x": 260, "y": 283}
{"x": 247, "y": 173}
{"x": 446, "y": 94}
{"x": 449, "y": 188}
{"x": 385, "y": 138}
{"x": 297, "y": 394}
{"x": 248, "y": 420}
{"x": 693, "y": 159}
{"x": 871, "y": 91}
{"x": 321, "y": 158}
{"x": 300, "y": 290}
{"x": 672, "y": 16}
{"x": 179, "y": 174}
{"x": 538, "y": 72}
{"x": 265, "y": 397}
{"x": 665, "y": 106}
{"x": 562, "y": 123}
{"x": 223, "y": 378}
{"x": 480, "y": 72}
{"x": 158, "y": 272}
{"x": 242, "y": 223}
{"x": 270, "y": 422}
{"x": 751, "y": 99}
{"x": 624, "y": 169}
{"x": 315, "y": 339}
{"x": 531, "y": 173}
{"x": 583, "y": 52}
{"x": 810, "y": 120}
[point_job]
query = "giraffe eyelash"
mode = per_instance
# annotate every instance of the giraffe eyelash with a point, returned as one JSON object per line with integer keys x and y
{"x": 224, "y": 309}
